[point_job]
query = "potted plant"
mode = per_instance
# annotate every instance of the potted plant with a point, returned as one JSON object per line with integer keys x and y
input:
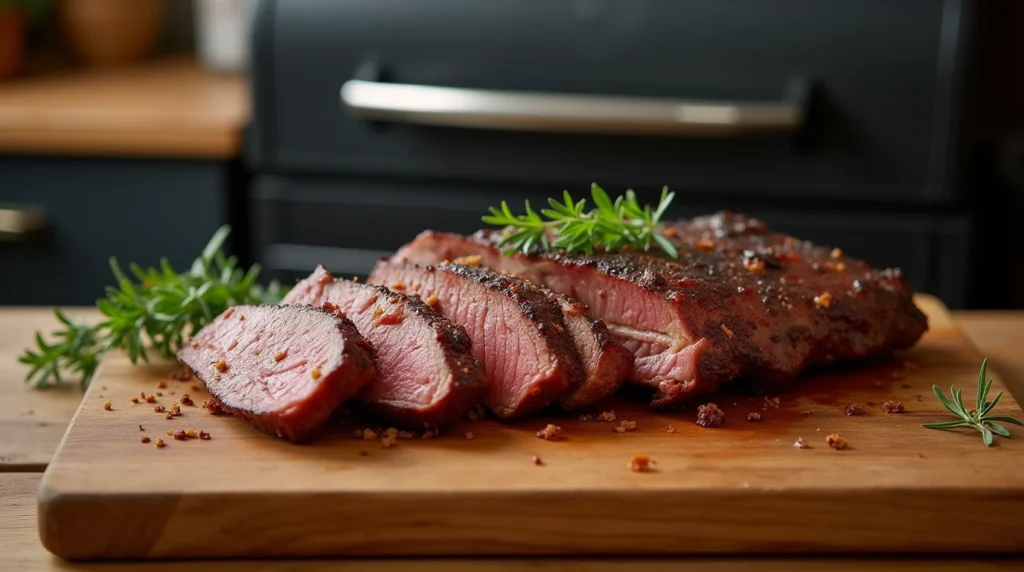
{"x": 16, "y": 19}
{"x": 111, "y": 32}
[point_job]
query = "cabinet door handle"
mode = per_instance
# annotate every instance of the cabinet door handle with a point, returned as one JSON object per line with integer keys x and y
{"x": 550, "y": 112}
{"x": 19, "y": 223}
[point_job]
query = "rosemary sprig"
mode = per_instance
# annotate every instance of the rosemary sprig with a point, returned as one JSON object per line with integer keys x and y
{"x": 610, "y": 226}
{"x": 156, "y": 310}
{"x": 977, "y": 418}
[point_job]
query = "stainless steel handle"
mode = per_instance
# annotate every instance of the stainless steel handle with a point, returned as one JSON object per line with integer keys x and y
{"x": 18, "y": 224}
{"x": 546, "y": 112}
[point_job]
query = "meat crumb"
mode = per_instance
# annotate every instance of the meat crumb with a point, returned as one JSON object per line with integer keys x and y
{"x": 186, "y": 399}
{"x": 705, "y": 245}
{"x": 389, "y": 441}
{"x": 220, "y": 365}
{"x": 150, "y": 398}
{"x": 191, "y": 433}
{"x": 144, "y": 440}
{"x": 280, "y": 355}
{"x": 710, "y": 415}
{"x": 161, "y": 384}
{"x": 194, "y": 344}
{"x": 213, "y": 406}
{"x": 550, "y": 432}
{"x": 159, "y": 394}
{"x": 159, "y": 408}
{"x": 315, "y": 374}
{"x": 204, "y": 436}
{"x": 586, "y": 418}
{"x": 624, "y": 426}
{"x": 836, "y": 442}
{"x": 726, "y": 331}
{"x": 432, "y": 300}
{"x": 753, "y": 417}
{"x": 841, "y": 267}
{"x": 772, "y": 402}
{"x": 195, "y": 387}
{"x": 174, "y": 411}
{"x": 170, "y": 432}
{"x": 606, "y": 416}
{"x": 823, "y": 300}
{"x": 179, "y": 435}
{"x": 854, "y": 409}
{"x": 836, "y": 253}
{"x": 398, "y": 286}
{"x": 640, "y": 463}
{"x": 140, "y": 428}
{"x": 537, "y": 460}
{"x": 470, "y": 435}
{"x": 135, "y": 400}
{"x": 892, "y": 407}
{"x": 800, "y": 443}
{"x": 160, "y": 443}
{"x": 670, "y": 429}
{"x": 369, "y": 435}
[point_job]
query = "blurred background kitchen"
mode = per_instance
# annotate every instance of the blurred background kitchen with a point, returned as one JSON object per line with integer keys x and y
{"x": 134, "y": 128}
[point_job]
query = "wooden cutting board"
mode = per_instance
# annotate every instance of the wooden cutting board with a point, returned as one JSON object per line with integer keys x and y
{"x": 741, "y": 487}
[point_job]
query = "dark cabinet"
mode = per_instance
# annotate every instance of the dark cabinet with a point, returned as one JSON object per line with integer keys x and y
{"x": 92, "y": 209}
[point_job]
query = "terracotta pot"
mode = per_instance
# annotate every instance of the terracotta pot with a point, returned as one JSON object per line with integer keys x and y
{"x": 111, "y": 32}
{"x": 12, "y": 41}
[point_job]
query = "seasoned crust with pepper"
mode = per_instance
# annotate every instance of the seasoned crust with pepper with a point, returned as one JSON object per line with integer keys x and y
{"x": 732, "y": 271}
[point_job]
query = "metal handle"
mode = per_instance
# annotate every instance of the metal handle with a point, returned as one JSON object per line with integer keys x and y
{"x": 546, "y": 112}
{"x": 18, "y": 224}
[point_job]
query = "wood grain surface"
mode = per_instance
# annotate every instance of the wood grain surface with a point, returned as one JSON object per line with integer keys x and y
{"x": 742, "y": 487}
{"x": 32, "y": 422}
{"x": 20, "y": 550}
{"x": 163, "y": 108}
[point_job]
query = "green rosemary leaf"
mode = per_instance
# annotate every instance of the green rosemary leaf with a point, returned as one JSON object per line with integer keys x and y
{"x": 609, "y": 226}
{"x": 976, "y": 418}
{"x": 1010, "y": 420}
{"x": 997, "y": 428}
{"x": 151, "y": 308}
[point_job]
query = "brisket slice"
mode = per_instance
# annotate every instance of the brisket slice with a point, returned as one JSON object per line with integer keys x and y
{"x": 740, "y": 300}
{"x": 517, "y": 330}
{"x": 606, "y": 362}
{"x": 285, "y": 369}
{"x": 426, "y": 374}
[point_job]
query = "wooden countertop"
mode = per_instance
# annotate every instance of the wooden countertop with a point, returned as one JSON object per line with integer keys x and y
{"x": 164, "y": 108}
{"x": 33, "y": 422}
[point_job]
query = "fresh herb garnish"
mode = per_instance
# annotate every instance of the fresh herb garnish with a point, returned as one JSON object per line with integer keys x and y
{"x": 160, "y": 309}
{"x": 610, "y": 226}
{"x": 977, "y": 418}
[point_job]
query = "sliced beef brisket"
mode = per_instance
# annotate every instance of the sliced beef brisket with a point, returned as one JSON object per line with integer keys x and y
{"x": 606, "y": 362}
{"x": 739, "y": 301}
{"x": 517, "y": 330}
{"x": 426, "y": 374}
{"x": 285, "y": 369}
